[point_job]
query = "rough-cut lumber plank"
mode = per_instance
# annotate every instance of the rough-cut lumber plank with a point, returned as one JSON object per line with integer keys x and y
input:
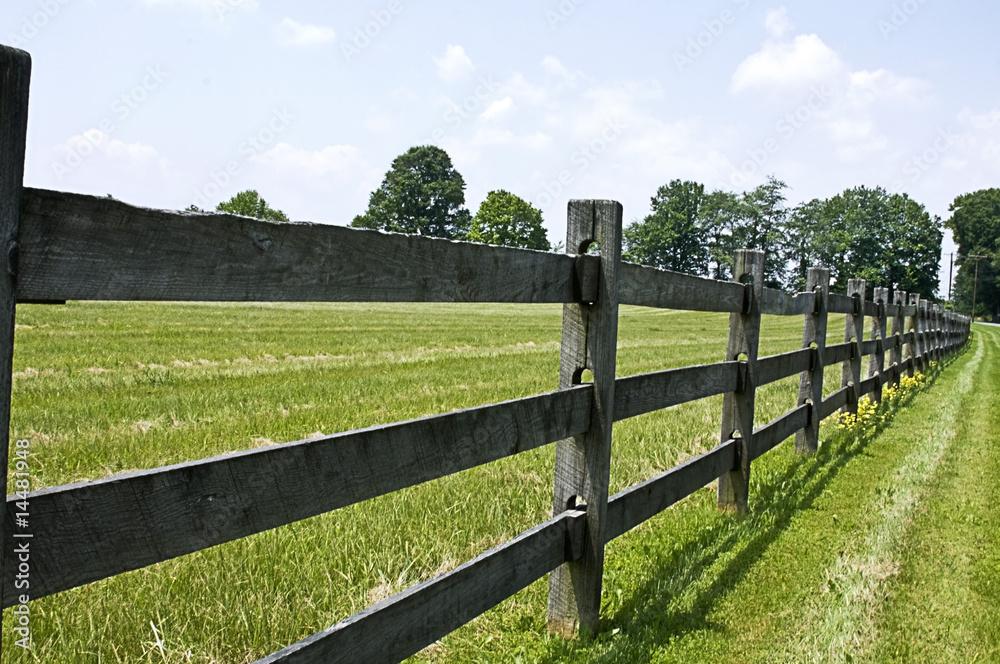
{"x": 913, "y": 325}
{"x": 869, "y": 347}
{"x": 15, "y": 78}
{"x": 634, "y": 505}
{"x": 814, "y": 330}
{"x": 868, "y": 386}
{"x": 650, "y": 287}
{"x": 636, "y": 395}
{"x": 775, "y": 432}
{"x": 834, "y": 402}
{"x": 876, "y": 364}
{"x": 738, "y": 406}
{"x": 838, "y": 353}
{"x": 404, "y": 624}
{"x": 77, "y": 247}
{"x": 841, "y": 304}
{"x": 92, "y": 530}
{"x": 583, "y": 463}
{"x": 779, "y": 303}
{"x": 854, "y": 333}
{"x": 776, "y": 367}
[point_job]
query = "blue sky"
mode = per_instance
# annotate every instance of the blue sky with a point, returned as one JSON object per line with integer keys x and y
{"x": 164, "y": 103}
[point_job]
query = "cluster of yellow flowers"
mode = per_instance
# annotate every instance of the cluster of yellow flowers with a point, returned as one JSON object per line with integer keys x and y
{"x": 870, "y": 414}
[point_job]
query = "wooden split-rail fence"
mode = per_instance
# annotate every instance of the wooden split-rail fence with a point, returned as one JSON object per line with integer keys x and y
{"x": 60, "y": 246}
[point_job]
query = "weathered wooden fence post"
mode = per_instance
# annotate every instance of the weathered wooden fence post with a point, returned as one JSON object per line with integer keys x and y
{"x": 914, "y": 328}
{"x": 938, "y": 333}
{"x": 898, "y": 330}
{"x": 811, "y": 382}
{"x": 854, "y": 332}
{"x": 583, "y": 463}
{"x": 876, "y": 365}
{"x": 926, "y": 336}
{"x": 15, "y": 77}
{"x": 738, "y": 407}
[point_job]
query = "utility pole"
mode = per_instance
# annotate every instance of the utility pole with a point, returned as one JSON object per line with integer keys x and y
{"x": 951, "y": 267}
{"x": 975, "y": 285}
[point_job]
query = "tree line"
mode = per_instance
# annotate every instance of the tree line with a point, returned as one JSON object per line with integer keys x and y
{"x": 888, "y": 239}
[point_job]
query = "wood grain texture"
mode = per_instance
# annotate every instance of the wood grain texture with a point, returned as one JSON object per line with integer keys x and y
{"x": 814, "y": 333}
{"x": 778, "y": 430}
{"x": 869, "y": 348}
{"x": 738, "y": 406}
{"x": 15, "y": 78}
{"x": 876, "y": 363}
{"x": 868, "y": 386}
{"x": 854, "y": 333}
{"x": 645, "y": 393}
{"x": 650, "y": 287}
{"x": 835, "y": 402}
{"x": 77, "y": 247}
{"x": 583, "y": 463}
{"x": 92, "y": 530}
{"x": 779, "y": 303}
{"x": 838, "y": 353}
{"x": 404, "y": 624}
{"x": 776, "y": 367}
{"x": 913, "y": 326}
{"x": 637, "y": 504}
{"x": 840, "y": 304}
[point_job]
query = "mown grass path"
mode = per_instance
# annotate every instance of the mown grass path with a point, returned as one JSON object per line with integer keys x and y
{"x": 882, "y": 548}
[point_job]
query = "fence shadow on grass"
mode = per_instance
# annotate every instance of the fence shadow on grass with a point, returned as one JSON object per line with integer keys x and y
{"x": 648, "y": 619}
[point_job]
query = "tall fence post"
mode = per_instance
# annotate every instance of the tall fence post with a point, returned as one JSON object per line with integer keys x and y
{"x": 898, "y": 330}
{"x": 814, "y": 336}
{"x": 738, "y": 407}
{"x": 925, "y": 334}
{"x": 854, "y": 332}
{"x": 876, "y": 365}
{"x": 15, "y": 78}
{"x": 583, "y": 463}
{"x": 938, "y": 333}
{"x": 913, "y": 326}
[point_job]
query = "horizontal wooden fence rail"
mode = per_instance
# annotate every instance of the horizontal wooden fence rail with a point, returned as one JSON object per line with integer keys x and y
{"x": 62, "y": 246}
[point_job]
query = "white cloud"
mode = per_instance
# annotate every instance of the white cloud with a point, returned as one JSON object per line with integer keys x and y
{"x": 498, "y": 108}
{"x": 455, "y": 65}
{"x": 343, "y": 160}
{"x": 292, "y": 33}
{"x": 95, "y": 141}
{"x": 804, "y": 61}
{"x": 553, "y": 67}
{"x": 869, "y": 86}
{"x": 778, "y": 23}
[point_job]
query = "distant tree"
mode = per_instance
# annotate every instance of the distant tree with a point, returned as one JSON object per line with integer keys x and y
{"x": 760, "y": 224}
{"x": 887, "y": 239}
{"x": 422, "y": 194}
{"x": 250, "y": 204}
{"x": 975, "y": 224}
{"x": 719, "y": 212}
{"x": 507, "y": 220}
{"x": 673, "y": 236}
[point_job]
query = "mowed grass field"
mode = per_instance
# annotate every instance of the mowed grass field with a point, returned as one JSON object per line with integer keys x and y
{"x": 103, "y": 388}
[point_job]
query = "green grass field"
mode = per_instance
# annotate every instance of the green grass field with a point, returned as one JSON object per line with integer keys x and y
{"x": 102, "y": 388}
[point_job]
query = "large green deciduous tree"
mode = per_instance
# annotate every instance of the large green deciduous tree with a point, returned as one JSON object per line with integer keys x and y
{"x": 674, "y": 235}
{"x": 250, "y": 204}
{"x": 887, "y": 239}
{"x": 509, "y": 221}
{"x": 421, "y": 194}
{"x": 975, "y": 223}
